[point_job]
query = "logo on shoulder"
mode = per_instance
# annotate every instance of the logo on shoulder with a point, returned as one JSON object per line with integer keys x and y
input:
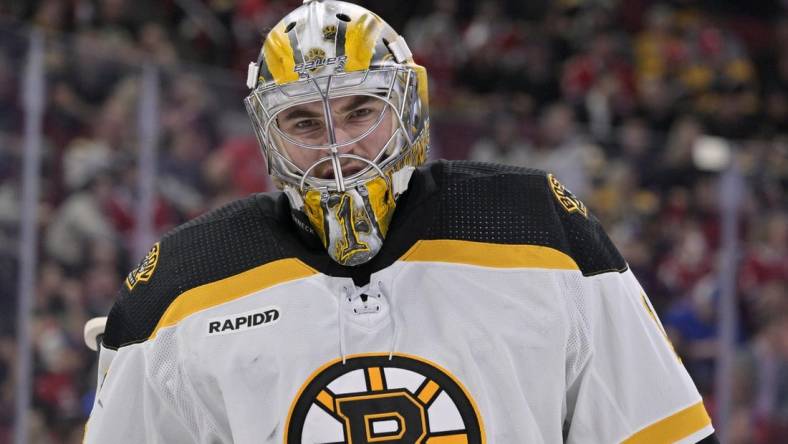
{"x": 243, "y": 322}
{"x": 145, "y": 269}
{"x": 568, "y": 200}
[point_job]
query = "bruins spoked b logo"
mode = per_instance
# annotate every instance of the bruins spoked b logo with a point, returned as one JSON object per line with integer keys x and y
{"x": 374, "y": 399}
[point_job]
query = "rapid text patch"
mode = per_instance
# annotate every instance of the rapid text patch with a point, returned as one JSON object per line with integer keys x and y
{"x": 243, "y": 321}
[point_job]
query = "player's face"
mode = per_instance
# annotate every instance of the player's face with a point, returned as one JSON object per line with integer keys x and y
{"x": 351, "y": 117}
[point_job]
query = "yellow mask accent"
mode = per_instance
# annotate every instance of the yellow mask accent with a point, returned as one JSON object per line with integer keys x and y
{"x": 315, "y": 213}
{"x": 382, "y": 202}
{"x": 361, "y": 36}
{"x": 352, "y": 225}
{"x": 279, "y": 56}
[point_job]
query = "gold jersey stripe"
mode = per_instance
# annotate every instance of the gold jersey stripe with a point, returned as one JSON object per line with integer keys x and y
{"x": 375, "y": 379}
{"x": 231, "y": 288}
{"x": 489, "y": 255}
{"x": 458, "y": 438}
{"x": 675, "y": 427}
{"x": 279, "y": 57}
{"x": 428, "y": 392}
{"x": 360, "y": 39}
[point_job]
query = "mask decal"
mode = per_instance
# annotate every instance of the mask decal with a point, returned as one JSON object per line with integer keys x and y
{"x": 352, "y": 225}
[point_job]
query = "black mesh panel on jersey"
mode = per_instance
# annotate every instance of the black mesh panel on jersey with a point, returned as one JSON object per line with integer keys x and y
{"x": 496, "y": 204}
{"x": 512, "y": 205}
{"x": 446, "y": 200}
{"x": 589, "y": 245}
{"x": 219, "y": 244}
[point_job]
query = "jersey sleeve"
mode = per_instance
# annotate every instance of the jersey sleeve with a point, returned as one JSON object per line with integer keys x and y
{"x": 144, "y": 393}
{"x": 129, "y": 407}
{"x": 139, "y": 381}
{"x": 146, "y": 388}
{"x": 626, "y": 384}
{"x": 624, "y": 381}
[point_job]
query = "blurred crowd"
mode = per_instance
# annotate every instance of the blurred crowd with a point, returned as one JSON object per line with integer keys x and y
{"x": 617, "y": 98}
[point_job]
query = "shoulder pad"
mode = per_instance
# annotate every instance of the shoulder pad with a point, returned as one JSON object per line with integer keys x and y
{"x": 588, "y": 244}
{"x": 221, "y": 243}
{"x": 493, "y": 203}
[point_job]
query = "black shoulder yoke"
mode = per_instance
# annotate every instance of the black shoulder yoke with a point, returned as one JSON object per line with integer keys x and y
{"x": 454, "y": 200}
{"x": 221, "y": 243}
{"x": 512, "y": 205}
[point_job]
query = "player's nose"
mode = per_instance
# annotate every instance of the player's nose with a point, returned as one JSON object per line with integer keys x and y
{"x": 342, "y": 135}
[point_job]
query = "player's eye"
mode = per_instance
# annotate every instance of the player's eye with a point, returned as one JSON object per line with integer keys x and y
{"x": 306, "y": 125}
{"x": 360, "y": 114}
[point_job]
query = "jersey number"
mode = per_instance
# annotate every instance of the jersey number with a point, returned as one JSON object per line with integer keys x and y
{"x": 352, "y": 244}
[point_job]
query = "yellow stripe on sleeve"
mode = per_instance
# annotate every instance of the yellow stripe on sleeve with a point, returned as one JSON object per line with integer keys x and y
{"x": 673, "y": 428}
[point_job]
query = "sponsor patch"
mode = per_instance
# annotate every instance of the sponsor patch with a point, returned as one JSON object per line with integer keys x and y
{"x": 242, "y": 321}
{"x": 145, "y": 269}
{"x": 568, "y": 200}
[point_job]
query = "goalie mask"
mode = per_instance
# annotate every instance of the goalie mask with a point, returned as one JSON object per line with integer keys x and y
{"x": 340, "y": 111}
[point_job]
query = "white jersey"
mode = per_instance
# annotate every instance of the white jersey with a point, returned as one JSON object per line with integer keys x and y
{"x": 488, "y": 321}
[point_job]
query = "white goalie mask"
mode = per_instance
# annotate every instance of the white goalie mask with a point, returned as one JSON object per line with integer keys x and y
{"x": 340, "y": 111}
